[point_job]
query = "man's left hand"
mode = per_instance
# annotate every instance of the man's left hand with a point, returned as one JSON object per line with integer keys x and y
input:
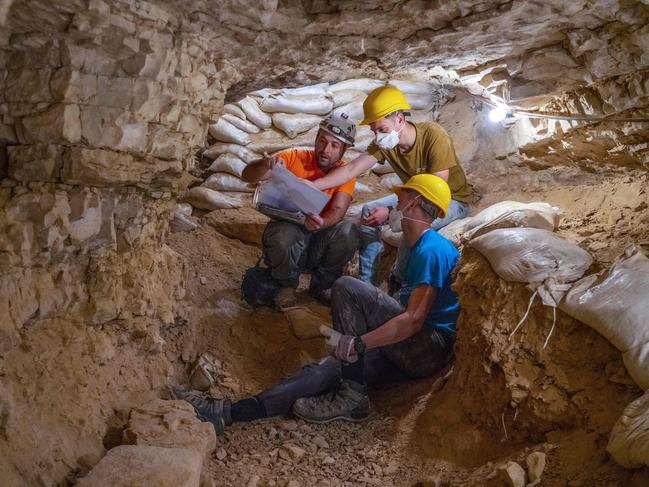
{"x": 313, "y": 222}
{"x": 339, "y": 345}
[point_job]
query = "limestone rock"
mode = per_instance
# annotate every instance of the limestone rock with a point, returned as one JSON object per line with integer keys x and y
{"x": 513, "y": 474}
{"x": 58, "y": 124}
{"x": 245, "y": 224}
{"x": 171, "y": 424}
{"x": 129, "y": 466}
{"x": 535, "y": 465}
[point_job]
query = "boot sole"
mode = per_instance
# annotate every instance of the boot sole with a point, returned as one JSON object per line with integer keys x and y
{"x": 359, "y": 418}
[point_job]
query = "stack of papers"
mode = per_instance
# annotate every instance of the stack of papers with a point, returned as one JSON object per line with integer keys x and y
{"x": 288, "y": 197}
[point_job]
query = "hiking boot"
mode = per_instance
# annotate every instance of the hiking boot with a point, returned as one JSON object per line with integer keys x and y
{"x": 349, "y": 402}
{"x": 286, "y": 298}
{"x": 208, "y": 409}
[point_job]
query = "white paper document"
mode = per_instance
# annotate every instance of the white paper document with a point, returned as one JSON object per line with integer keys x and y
{"x": 285, "y": 191}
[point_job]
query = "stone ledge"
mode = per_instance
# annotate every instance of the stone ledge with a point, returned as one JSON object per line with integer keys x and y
{"x": 130, "y": 466}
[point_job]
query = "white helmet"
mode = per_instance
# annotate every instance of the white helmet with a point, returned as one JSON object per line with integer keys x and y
{"x": 340, "y": 126}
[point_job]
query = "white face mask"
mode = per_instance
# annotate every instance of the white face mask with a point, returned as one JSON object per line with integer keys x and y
{"x": 388, "y": 140}
{"x": 395, "y": 220}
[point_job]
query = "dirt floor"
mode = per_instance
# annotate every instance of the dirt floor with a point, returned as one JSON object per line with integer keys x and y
{"x": 502, "y": 401}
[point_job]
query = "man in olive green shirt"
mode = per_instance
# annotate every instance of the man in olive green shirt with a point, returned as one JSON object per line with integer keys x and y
{"x": 410, "y": 148}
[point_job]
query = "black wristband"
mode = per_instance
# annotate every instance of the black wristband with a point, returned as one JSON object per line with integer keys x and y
{"x": 359, "y": 346}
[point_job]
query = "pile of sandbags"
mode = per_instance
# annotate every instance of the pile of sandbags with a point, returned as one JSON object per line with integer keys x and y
{"x": 628, "y": 443}
{"x": 269, "y": 120}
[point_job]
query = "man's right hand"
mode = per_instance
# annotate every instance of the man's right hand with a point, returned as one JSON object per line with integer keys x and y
{"x": 378, "y": 216}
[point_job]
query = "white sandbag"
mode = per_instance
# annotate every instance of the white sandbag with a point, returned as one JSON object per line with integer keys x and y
{"x": 295, "y": 124}
{"x": 228, "y": 163}
{"x": 413, "y": 87}
{"x": 354, "y": 110}
{"x": 183, "y": 223}
{"x": 361, "y": 84}
{"x": 420, "y": 101}
{"x": 364, "y": 137}
{"x": 532, "y": 255}
{"x": 243, "y": 153}
{"x": 232, "y": 109}
{"x": 321, "y": 89}
{"x": 240, "y": 123}
{"x": 183, "y": 209}
{"x": 227, "y": 182}
{"x": 270, "y": 141}
{"x": 389, "y": 237}
{"x": 504, "y": 214}
{"x": 264, "y": 92}
{"x": 208, "y": 199}
{"x": 628, "y": 443}
{"x": 362, "y": 188}
{"x": 390, "y": 180}
{"x": 616, "y": 302}
{"x": 255, "y": 114}
{"x": 224, "y": 131}
{"x": 345, "y": 97}
{"x": 313, "y": 104}
{"x": 381, "y": 169}
{"x": 636, "y": 361}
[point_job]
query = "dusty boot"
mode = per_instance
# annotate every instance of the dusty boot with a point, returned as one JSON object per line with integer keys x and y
{"x": 209, "y": 409}
{"x": 286, "y": 298}
{"x": 349, "y": 402}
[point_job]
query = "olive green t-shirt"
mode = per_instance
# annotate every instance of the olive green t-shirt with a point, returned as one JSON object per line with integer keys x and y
{"x": 432, "y": 152}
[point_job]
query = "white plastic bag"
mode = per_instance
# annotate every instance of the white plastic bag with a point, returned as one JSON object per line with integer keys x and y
{"x": 361, "y": 84}
{"x": 228, "y": 163}
{"x": 628, "y": 443}
{"x": 232, "y": 109}
{"x": 345, "y": 97}
{"x": 241, "y": 124}
{"x": 532, "y": 255}
{"x": 313, "y": 104}
{"x": 504, "y": 214}
{"x": 243, "y": 153}
{"x": 616, "y": 302}
{"x": 183, "y": 223}
{"x": 254, "y": 113}
{"x": 224, "y": 131}
{"x": 294, "y": 124}
{"x": 364, "y": 137}
{"x": 208, "y": 199}
{"x": 227, "y": 182}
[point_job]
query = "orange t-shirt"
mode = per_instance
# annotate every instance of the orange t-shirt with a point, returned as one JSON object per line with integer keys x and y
{"x": 302, "y": 163}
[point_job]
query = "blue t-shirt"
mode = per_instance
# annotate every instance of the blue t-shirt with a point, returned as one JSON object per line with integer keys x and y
{"x": 431, "y": 262}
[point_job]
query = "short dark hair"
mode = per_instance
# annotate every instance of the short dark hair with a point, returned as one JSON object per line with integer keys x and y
{"x": 396, "y": 112}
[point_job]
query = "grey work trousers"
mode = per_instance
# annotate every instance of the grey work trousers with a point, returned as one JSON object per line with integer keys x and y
{"x": 358, "y": 307}
{"x": 291, "y": 249}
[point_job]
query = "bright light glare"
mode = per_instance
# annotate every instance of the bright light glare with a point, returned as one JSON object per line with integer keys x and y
{"x": 498, "y": 114}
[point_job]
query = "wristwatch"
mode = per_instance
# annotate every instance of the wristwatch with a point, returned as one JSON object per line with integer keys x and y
{"x": 359, "y": 346}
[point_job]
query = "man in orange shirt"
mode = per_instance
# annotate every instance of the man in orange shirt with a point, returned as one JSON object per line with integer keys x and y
{"x": 326, "y": 242}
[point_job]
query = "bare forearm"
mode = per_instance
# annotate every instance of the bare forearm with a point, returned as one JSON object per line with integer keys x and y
{"x": 341, "y": 175}
{"x": 333, "y": 216}
{"x": 396, "y": 330}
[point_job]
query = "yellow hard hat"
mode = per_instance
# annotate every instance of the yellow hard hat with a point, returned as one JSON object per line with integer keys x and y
{"x": 431, "y": 187}
{"x": 381, "y": 102}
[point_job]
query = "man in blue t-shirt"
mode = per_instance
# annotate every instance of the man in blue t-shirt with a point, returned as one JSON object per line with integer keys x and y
{"x": 374, "y": 336}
